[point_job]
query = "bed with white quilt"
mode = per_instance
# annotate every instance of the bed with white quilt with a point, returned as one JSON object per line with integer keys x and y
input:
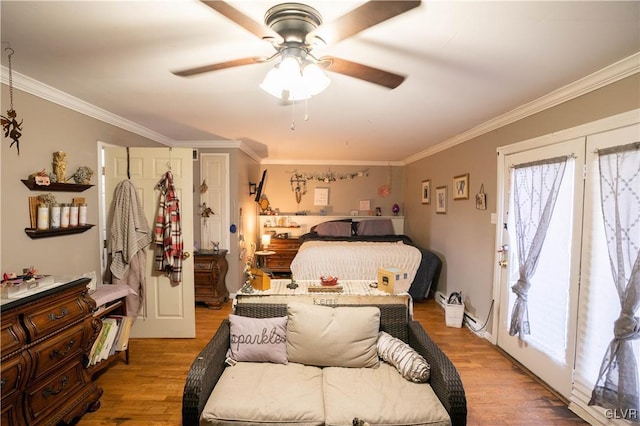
{"x": 355, "y": 251}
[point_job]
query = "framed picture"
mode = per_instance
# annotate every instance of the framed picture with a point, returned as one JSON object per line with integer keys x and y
{"x": 481, "y": 199}
{"x": 441, "y": 200}
{"x": 353, "y": 213}
{"x": 461, "y": 187}
{"x": 321, "y": 197}
{"x": 426, "y": 191}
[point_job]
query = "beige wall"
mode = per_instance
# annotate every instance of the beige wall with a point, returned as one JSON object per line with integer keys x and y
{"x": 344, "y": 195}
{"x": 47, "y": 128}
{"x": 464, "y": 238}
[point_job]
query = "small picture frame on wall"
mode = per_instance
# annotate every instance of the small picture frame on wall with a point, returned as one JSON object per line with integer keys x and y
{"x": 441, "y": 200}
{"x": 426, "y": 191}
{"x": 461, "y": 187}
{"x": 321, "y": 197}
{"x": 481, "y": 199}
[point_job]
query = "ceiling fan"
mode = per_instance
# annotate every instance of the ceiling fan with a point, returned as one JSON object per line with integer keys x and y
{"x": 295, "y": 29}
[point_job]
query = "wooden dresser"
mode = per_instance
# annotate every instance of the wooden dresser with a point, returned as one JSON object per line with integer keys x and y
{"x": 210, "y": 269}
{"x": 46, "y": 337}
{"x": 285, "y": 250}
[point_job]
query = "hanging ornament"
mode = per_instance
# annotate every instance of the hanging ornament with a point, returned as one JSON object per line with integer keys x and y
{"x": 385, "y": 189}
{"x": 10, "y": 125}
{"x": 204, "y": 187}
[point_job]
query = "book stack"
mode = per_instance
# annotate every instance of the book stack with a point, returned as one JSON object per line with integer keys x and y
{"x": 114, "y": 337}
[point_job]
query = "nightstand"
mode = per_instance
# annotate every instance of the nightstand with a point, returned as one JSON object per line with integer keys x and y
{"x": 285, "y": 250}
{"x": 210, "y": 269}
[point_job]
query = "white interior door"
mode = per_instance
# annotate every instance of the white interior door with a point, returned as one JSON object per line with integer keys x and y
{"x": 168, "y": 309}
{"x": 552, "y": 299}
{"x": 214, "y": 170}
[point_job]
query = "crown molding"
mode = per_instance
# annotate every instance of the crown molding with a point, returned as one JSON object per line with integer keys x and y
{"x": 220, "y": 144}
{"x": 332, "y": 162}
{"x": 608, "y": 75}
{"x": 41, "y": 90}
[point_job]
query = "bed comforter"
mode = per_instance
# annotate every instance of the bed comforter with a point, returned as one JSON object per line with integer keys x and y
{"x": 358, "y": 258}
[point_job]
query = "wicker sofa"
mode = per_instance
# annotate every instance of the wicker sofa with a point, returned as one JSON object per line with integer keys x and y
{"x": 209, "y": 366}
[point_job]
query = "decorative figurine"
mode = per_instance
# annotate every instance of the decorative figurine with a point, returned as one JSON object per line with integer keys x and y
{"x": 60, "y": 166}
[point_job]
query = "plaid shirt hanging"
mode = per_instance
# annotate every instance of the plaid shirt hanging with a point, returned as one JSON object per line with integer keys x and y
{"x": 167, "y": 231}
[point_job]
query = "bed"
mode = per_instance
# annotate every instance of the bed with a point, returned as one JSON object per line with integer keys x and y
{"x": 355, "y": 250}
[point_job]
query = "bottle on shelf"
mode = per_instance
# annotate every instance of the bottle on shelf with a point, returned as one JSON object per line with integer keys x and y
{"x": 43, "y": 217}
{"x": 82, "y": 214}
{"x": 64, "y": 215}
{"x": 73, "y": 215}
{"x": 54, "y": 215}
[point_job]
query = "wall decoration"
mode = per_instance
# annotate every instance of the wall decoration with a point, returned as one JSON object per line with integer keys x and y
{"x": 481, "y": 199}
{"x": 60, "y": 166}
{"x": 461, "y": 187}
{"x": 327, "y": 177}
{"x": 365, "y": 205}
{"x": 321, "y": 197}
{"x": 441, "y": 200}
{"x": 353, "y": 213}
{"x": 426, "y": 191}
{"x": 10, "y": 124}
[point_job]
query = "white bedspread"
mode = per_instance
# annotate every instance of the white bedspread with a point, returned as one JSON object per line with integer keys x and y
{"x": 353, "y": 260}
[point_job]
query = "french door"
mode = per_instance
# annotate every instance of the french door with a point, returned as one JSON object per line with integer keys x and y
{"x": 552, "y": 298}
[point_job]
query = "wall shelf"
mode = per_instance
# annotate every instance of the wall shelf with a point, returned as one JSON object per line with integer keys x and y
{"x": 55, "y": 187}
{"x": 45, "y": 233}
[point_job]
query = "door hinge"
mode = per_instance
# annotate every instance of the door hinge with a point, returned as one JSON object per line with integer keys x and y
{"x": 584, "y": 171}
{"x": 103, "y": 171}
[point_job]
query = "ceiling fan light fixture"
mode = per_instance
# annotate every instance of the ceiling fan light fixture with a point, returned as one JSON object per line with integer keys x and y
{"x": 272, "y": 83}
{"x": 314, "y": 79}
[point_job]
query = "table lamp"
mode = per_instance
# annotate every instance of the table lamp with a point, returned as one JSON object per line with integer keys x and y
{"x": 266, "y": 240}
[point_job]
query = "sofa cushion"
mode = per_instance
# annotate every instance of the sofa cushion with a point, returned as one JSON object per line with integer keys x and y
{"x": 250, "y": 393}
{"x": 379, "y": 396}
{"x": 404, "y": 358}
{"x": 338, "y": 337}
{"x": 258, "y": 339}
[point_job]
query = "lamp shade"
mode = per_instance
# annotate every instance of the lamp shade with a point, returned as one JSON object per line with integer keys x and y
{"x": 314, "y": 79}
{"x": 287, "y": 81}
{"x": 266, "y": 240}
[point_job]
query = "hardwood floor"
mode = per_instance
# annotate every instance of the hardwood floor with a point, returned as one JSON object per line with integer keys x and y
{"x": 148, "y": 391}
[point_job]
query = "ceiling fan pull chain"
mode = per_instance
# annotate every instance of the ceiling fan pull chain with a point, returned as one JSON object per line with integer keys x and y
{"x": 293, "y": 115}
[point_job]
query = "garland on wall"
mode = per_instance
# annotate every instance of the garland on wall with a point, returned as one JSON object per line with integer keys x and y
{"x": 299, "y": 180}
{"x": 326, "y": 177}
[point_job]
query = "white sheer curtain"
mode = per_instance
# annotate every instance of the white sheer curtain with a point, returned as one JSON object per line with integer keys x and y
{"x": 535, "y": 187}
{"x": 618, "y": 386}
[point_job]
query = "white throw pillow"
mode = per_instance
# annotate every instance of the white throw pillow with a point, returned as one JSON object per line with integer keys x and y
{"x": 335, "y": 337}
{"x": 258, "y": 339}
{"x": 404, "y": 358}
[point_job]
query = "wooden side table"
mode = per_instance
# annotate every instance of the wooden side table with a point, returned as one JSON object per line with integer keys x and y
{"x": 210, "y": 269}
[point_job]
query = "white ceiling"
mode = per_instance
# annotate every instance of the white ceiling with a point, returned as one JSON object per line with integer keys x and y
{"x": 466, "y": 63}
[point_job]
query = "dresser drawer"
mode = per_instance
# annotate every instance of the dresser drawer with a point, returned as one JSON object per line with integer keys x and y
{"x": 12, "y": 336}
{"x": 57, "y": 351}
{"x": 52, "y": 317}
{"x": 13, "y": 373}
{"x": 203, "y": 265}
{"x": 284, "y": 243}
{"x": 46, "y": 395}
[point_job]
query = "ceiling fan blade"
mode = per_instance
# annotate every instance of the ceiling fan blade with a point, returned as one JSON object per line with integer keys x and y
{"x": 219, "y": 66}
{"x": 255, "y": 28}
{"x": 361, "y": 18}
{"x": 362, "y": 72}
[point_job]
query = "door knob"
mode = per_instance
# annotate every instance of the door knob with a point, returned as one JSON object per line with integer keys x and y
{"x": 502, "y": 263}
{"x": 185, "y": 255}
